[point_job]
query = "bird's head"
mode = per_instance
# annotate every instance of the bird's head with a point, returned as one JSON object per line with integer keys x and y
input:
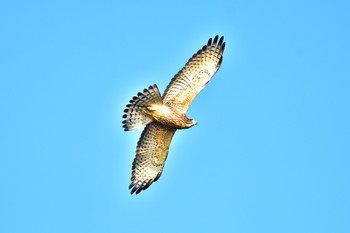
{"x": 190, "y": 122}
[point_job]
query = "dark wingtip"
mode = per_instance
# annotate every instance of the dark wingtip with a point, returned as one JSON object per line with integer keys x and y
{"x": 215, "y": 40}
{"x": 223, "y": 47}
{"x": 138, "y": 191}
{"x": 125, "y": 127}
{"x": 221, "y": 40}
{"x": 137, "y": 187}
{"x": 133, "y": 188}
{"x": 209, "y": 42}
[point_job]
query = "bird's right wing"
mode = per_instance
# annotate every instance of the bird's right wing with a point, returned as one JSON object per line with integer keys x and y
{"x": 151, "y": 153}
{"x": 195, "y": 75}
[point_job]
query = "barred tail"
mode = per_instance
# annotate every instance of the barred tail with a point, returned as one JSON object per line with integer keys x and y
{"x": 134, "y": 118}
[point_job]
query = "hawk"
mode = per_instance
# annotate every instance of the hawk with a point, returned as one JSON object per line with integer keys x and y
{"x": 163, "y": 114}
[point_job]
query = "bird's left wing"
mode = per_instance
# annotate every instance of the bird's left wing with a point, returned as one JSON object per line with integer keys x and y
{"x": 195, "y": 75}
{"x": 151, "y": 153}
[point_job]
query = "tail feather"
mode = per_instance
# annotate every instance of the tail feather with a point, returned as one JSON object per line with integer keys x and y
{"x": 134, "y": 118}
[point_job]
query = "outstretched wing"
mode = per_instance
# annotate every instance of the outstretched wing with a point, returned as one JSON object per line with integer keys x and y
{"x": 195, "y": 75}
{"x": 151, "y": 153}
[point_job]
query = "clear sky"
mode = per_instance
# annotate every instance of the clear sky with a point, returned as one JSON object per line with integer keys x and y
{"x": 271, "y": 152}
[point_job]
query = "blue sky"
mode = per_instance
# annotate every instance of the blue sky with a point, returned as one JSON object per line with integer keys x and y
{"x": 271, "y": 150}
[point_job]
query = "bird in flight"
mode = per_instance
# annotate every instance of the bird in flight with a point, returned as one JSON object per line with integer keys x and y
{"x": 164, "y": 114}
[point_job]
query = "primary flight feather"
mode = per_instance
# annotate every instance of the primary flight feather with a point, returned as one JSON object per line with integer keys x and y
{"x": 163, "y": 115}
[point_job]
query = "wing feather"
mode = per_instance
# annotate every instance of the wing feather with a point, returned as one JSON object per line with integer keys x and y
{"x": 195, "y": 75}
{"x": 151, "y": 153}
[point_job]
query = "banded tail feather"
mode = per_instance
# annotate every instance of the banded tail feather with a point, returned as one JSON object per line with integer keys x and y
{"x": 134, "y": 118}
